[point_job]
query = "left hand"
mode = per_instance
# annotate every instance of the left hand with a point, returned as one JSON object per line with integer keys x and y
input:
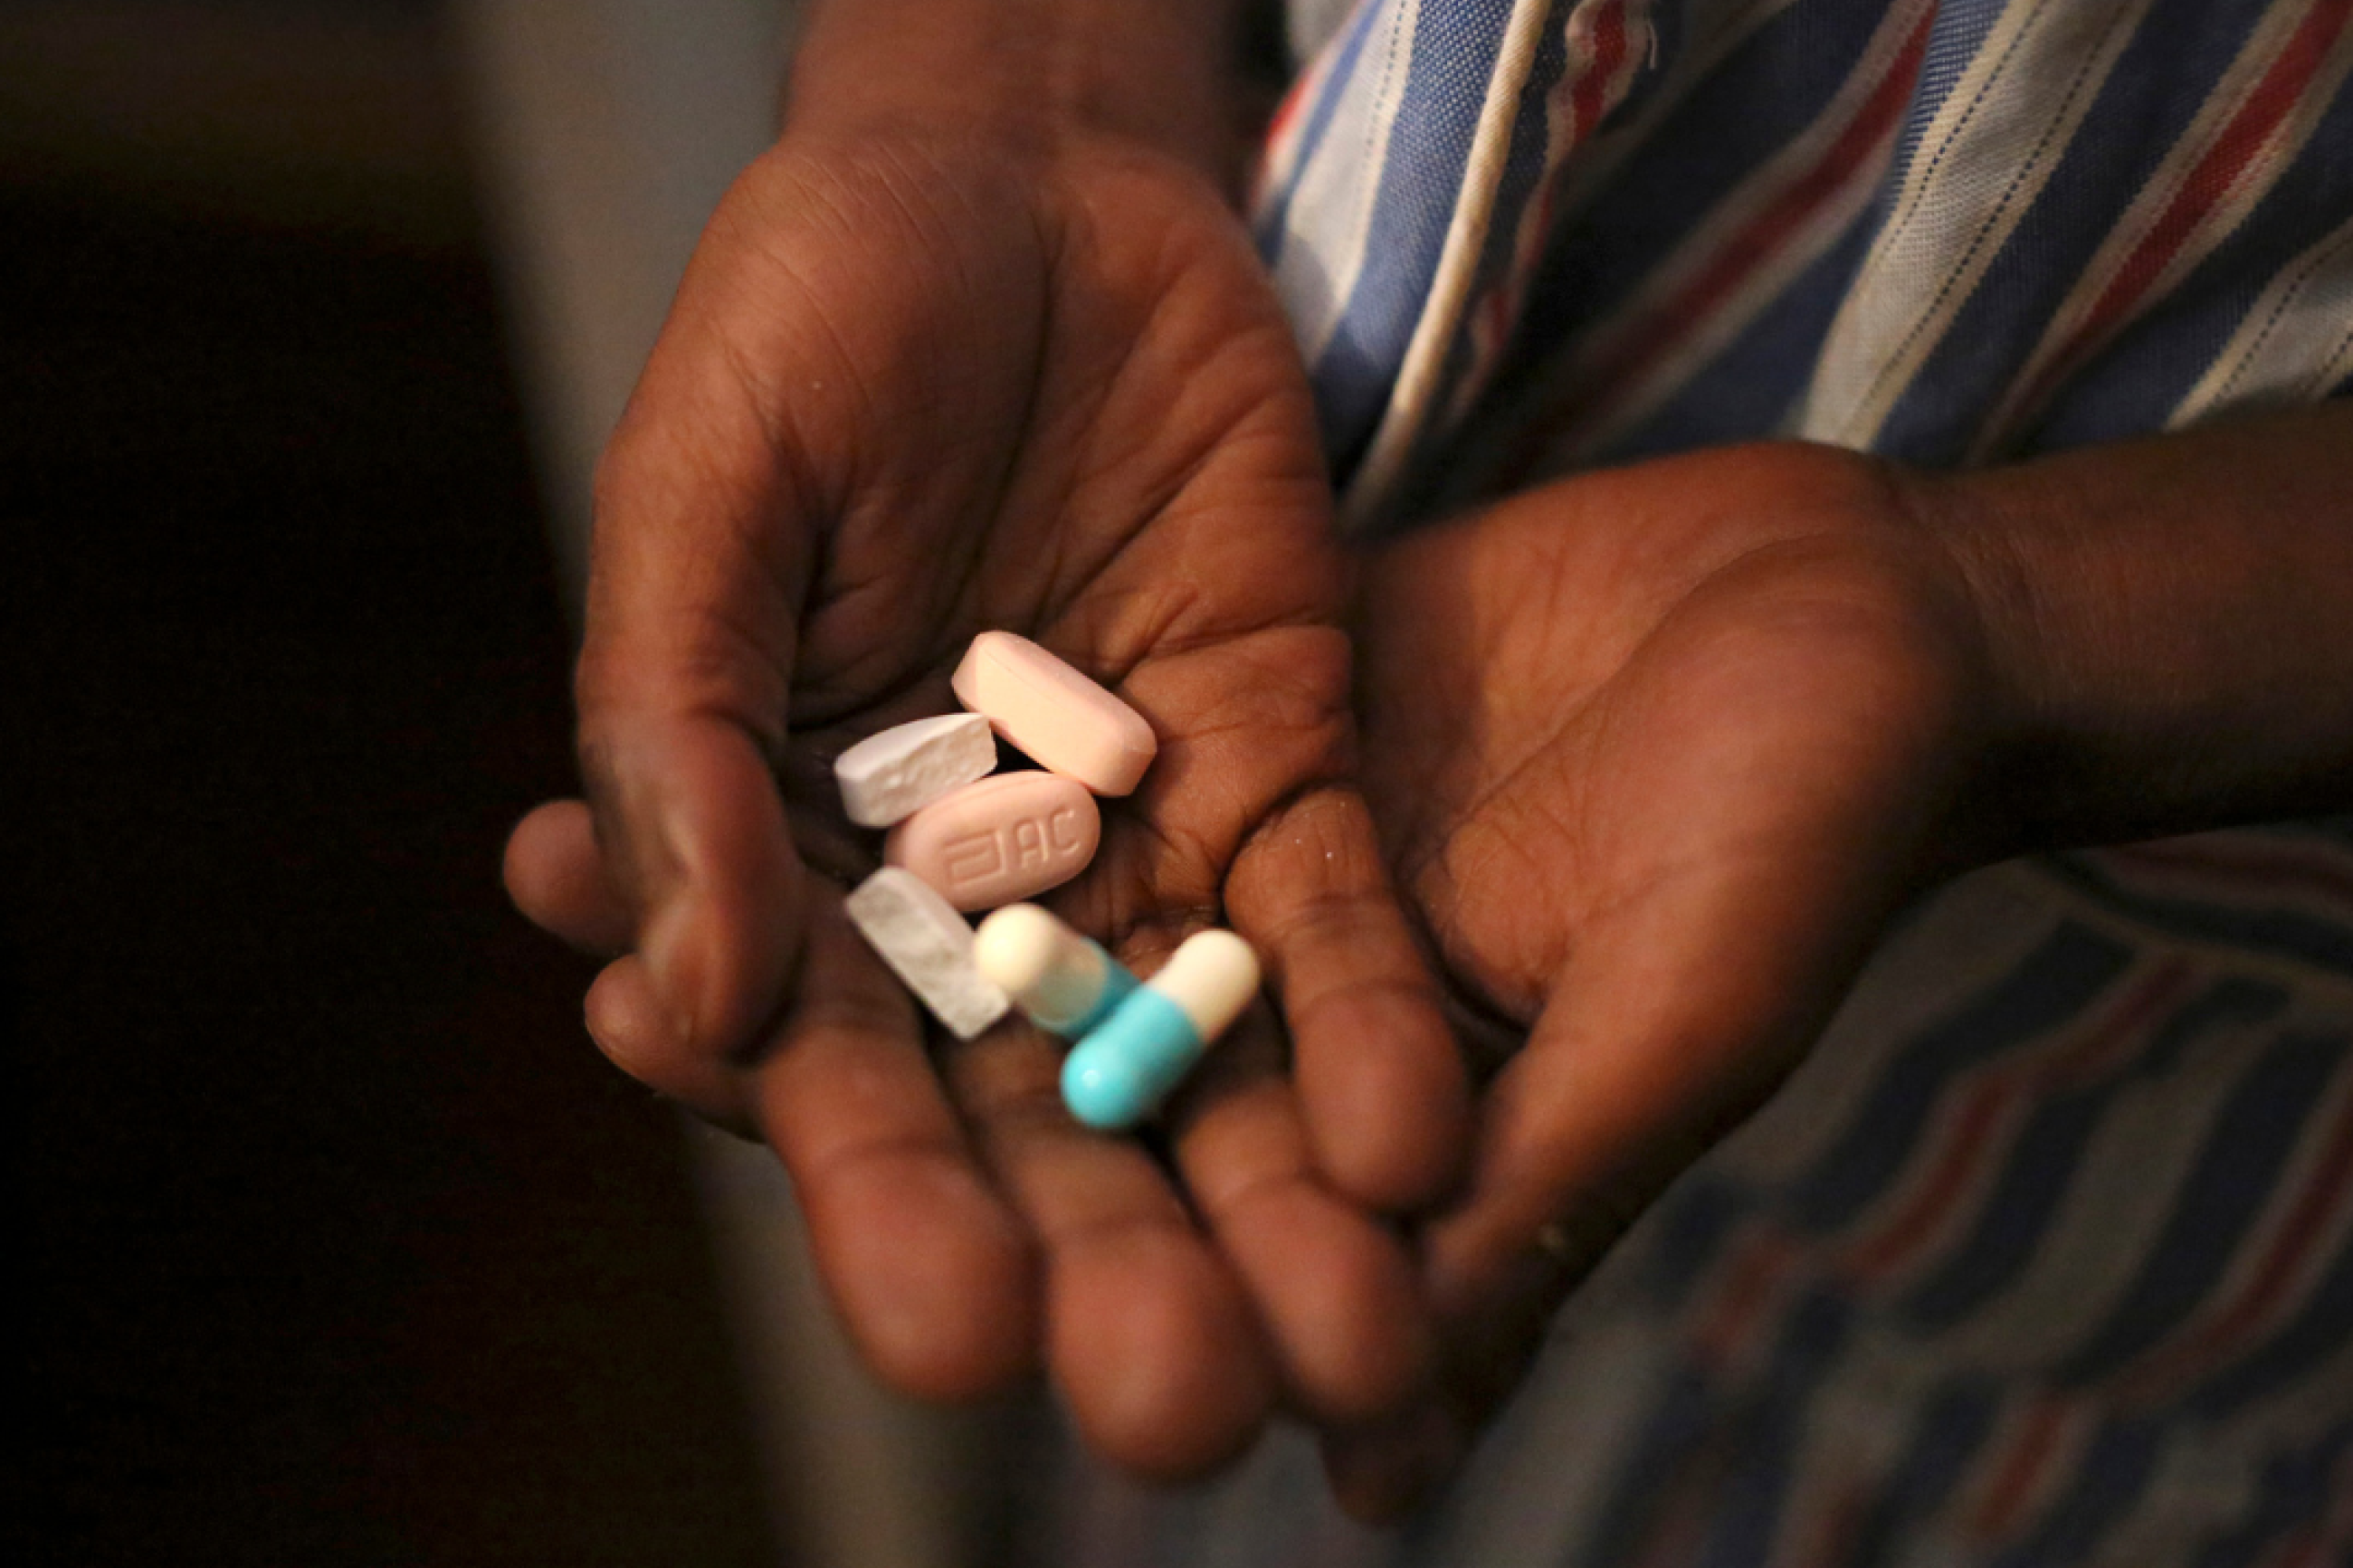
{"x": 1656, "y": 752}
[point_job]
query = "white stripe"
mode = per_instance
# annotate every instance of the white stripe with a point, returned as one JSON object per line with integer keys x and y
{"x": 2295, "y": 344}
{"x": 1538, "y": 216}
{"x": 1701, "y": 247}
{"x": 1331, "y": 213}
{"x": 2023, "y": 400}
{"x": 1985, "y": 159}
{"x": 1852, "y": 1437}
{"x": 1458, "y": 264}
{"x": 2193, "y": 1486}
{"x": 2125, "y": 1190}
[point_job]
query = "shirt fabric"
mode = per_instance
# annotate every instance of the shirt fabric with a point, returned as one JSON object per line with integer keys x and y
{"x": 2045, "y": 1255}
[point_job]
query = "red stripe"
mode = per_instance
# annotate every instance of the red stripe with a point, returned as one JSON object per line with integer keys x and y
{"x": 1739, "y": 1305}
{"x": 2207, "y": 186}
{"x": 1970, "y": 1145}
{"x": 2315, "y": 1204}
{"x": 2013, "y": 1484}
{"x": 1288, "y": 110}
{"x": 1655, "y": 334}
{"x": 2269, "y": 867}
{"x": 1589, "y": 101}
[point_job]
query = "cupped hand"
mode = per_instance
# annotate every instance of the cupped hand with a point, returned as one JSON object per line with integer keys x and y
{"x": 1658, "y": 751}
{"x": 913, "y": 389}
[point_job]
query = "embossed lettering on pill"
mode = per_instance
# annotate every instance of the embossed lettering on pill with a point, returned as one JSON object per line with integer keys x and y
{"x": 999, "y": 840}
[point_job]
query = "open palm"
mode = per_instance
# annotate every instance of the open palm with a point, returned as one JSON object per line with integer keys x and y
{"x": 1658, "y": 751}
{"x": 909, "y": 392}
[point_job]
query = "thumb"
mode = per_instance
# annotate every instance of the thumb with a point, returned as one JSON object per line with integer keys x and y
{"x": 699, "y": 565}
{"x": 1676, "y": 1015}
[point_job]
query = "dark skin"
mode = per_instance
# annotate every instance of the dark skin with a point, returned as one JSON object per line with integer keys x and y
{"x": 908, "y": 394}
{"x": 982, "y": 344}
{"x": 1660, "y": 750}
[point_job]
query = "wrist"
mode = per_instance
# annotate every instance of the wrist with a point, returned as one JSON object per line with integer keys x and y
{"x": 1024, "y": 78}
{"x": 2169, "y": 625}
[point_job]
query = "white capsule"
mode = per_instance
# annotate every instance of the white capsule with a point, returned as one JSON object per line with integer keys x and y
{"x": 1127, "y": 1065}
{"x": 897, "y": 772}
{"x": 1065, "y": 981}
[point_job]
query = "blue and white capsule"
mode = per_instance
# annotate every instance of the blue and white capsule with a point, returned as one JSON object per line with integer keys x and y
{"x": 1063, "y": 982}
{"x": 1126, "y": 1065}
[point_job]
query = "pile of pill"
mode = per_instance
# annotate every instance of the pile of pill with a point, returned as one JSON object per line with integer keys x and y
{"x": 964, "y": 838}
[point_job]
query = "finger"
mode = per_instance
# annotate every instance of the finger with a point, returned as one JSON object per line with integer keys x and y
{"x": 628, "y": 1020}
{"x": 1676, "y": 1016}
{"x": 1380, "y": 1081}
{"x": 705, "y": 528}
{"x": 706, "y": 858}
{"x": 1337, "y": 1290}
{"x": 555, "y": 876}
{"x": 1149, "y": 1335}
{"x": 930, "y": 1270}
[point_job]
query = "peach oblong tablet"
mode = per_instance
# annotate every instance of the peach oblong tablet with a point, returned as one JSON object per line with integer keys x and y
{"x": 999, "y": 840}
{"x": 1066, "y": 722}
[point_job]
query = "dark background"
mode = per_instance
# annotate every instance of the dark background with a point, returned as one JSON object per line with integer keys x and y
{"x": 345, "y": 1247}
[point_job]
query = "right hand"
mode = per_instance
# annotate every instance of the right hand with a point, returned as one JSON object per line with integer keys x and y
{"x": 914, "y": 388}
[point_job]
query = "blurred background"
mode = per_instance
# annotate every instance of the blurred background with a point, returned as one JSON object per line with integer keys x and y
{"x": 345, "y": 1247}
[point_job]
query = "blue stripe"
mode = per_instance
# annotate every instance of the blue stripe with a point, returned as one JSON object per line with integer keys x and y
{"x": 1955, "y": 40}
{"x": 1454, "y": 49}
{"x": 1748, "y": 389}
{"x": 1689, "y": 1229}
{"x": 1953, "y": 1427}
{"x": 1352, "y": 388}
{"x": 2135, "y": 385}
{"x": 2047, "y": 989}
{"x": 1771, "y": 1434}
{"x": 2285, "y": 932}
{"x": 2219, "y": 1201}
{"x": 1769, "y": 88}
{"x": 2160, "y": 80}
{"x": 1677, "y": 1428}
{"x": 1515, "y": 189}
{"x": 2041, "y": 1166}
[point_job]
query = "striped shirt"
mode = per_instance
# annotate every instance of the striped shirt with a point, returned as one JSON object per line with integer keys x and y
{"x": 2046, "y": 1254}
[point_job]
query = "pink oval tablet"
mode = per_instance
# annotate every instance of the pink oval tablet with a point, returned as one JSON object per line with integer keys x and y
{"x": 999, "y": 840}
{"x": 1061, "y": 719}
